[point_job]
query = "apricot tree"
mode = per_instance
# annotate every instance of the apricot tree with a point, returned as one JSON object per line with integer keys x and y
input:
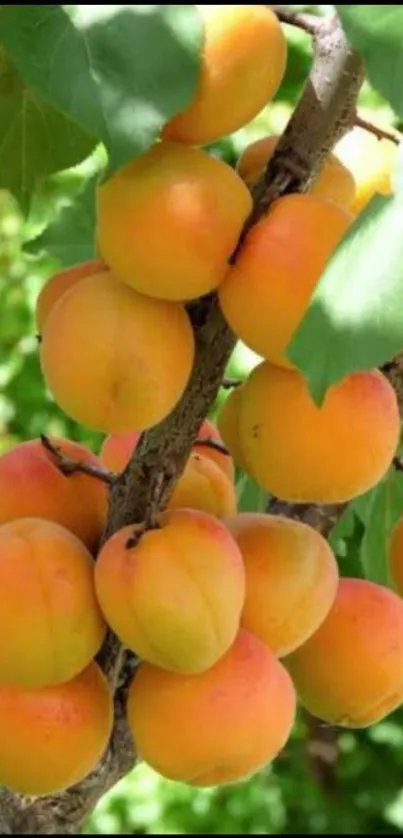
{"x": 146, "y": 616}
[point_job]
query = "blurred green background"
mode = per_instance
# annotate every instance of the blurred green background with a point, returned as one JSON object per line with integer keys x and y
{"x": 326, "y": 781}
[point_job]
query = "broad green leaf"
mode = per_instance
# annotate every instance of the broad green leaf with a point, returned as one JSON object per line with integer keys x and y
{"x": 251, "y": 497}
{"x": 36, "y": 139}
{"x": 70, "y": 237}
{"x": 377, "y": 33}
{"x": 355, "y": 317}
{"x": 120, "y": 71}
{"x": 385, "y": 510}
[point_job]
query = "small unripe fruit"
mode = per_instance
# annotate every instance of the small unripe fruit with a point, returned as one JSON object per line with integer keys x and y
{"x": 217, "y": 728}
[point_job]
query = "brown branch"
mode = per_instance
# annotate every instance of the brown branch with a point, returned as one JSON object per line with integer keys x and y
{"x": 309, "y": 23}
{"x": 68, "y": 466}
{"x": 321, "y": 518}
{"x": 380, "y": 133}
{"x": 325, "y": 111}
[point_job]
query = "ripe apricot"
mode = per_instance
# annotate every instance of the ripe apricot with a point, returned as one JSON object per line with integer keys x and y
{"x": 372, "y": 163}
{"x": 228, "y": 424}
{"x": 209, "y": 431}
{"x": 51, "y": 738}
{"x": 350, "y": 672}
{"x": 117, "y": 449}
{"x": 329, "y": 454}
{"x": 175, "y": 598}
{"x": 243, "y": 63}
{"x": 168, "y": 222}
{"x": 396, "y": 556}
{"x": 32, "y": 486}
{"x": 60, "y": 283}
{"x": 203, "y": 485}
{"x": 48, "y": 609}
{"x": 266, "y": 293}
{"x": 334, "y": 182}
{"x": 114, "y": 359}
{"x": 291, "y": 579}
{"x": 216, "y": 728}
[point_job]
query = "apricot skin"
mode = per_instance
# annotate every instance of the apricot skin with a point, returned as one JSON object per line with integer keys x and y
{"x": 396, "y": 557}
{"x": 114, "y": 359}
{"x": 158, "y": 217}
{"x": 52, "y": 738}
{"x": 216, "y": 728}
{"x": 48, "y": 609}
{"x": 333, "y": 183}
{"x": 209, "y": 431}
{"x": 243, "y": 63}
{"x": 32, "y": 486}
{"x": 203, "y": 485}
{"x": 176, "y": 597}
{"x": 266, "y": 293}
{"x": 60, "y": 283}
{"x": 302, "y": 453}
{"x": 350, "y": 672}
{"x": 291, "y": 579}
{"x": 228, "y": 423}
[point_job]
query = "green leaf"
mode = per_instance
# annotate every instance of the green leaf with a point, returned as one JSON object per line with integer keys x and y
{"x": 251, "y": 497}
{"x": 120, "y": 71}
{"x": 385, "y": 510}
{"x": 70, "y": 237}
{"x": 355, "y": 317}
{"x": 377, "y": 33}
{"x": 36, "y": 140}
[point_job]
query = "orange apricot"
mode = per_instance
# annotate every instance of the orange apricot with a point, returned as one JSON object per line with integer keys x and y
{"x": 350, "y": 672}
{"x": 203, "y": 485}
{"x": 300, "y": 452}
{"x": 114, "y": 359}
{"x": 32, "y": 486}
{"x": 395, "y": 557}
{"x": 228, "y": 423}
{"x": 209, "y": 431}
{"x": 48, "y": 609}
{"x": 334, "y": 182}
{"x": 216, "y": 728}
{"x": 291, "y": 578}
{"x": 175, "y": 597}
{"x": 117, "y": 449}
{"x": 266, "y": 293}
{"x": 372, "y": 163}
{"x": 242, "y": 66}
{"x": 50, "y": 739}
{"x": 60, "y": 283}
{"x": 168, "y": 222}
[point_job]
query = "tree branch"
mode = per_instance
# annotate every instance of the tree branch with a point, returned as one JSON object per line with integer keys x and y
{"x": 325, "y": 111}
{"x": 378, "y": 132}
{"x": 308, "y": 23}
{"x": 68, "y": 466}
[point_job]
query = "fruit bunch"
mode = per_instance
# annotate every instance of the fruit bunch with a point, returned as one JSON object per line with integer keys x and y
{"x": 232, "y": 616}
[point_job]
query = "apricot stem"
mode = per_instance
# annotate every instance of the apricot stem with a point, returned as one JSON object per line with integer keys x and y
{"x": 68, "y": 466}
{"x": 378, "y": 132}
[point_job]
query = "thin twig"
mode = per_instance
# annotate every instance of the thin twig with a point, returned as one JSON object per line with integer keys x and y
{"x": 380, "y": 133}
{"x": 68, "y": 466}
{"x": 214, "y": 444}
{"x": 309, "y": 23}
{"x": 230, "y": 383}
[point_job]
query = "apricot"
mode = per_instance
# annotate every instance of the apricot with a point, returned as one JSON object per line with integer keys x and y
{"x": 242, "y": 66}
{"x": 50, "y": 739}
{"x": 32, "y": 486}
{"x": 395, "y": 556}
{"x": 291, "y": 578}
{"x": 216, "y": 728}
{"x": 209, "y": 431}
{"x": 350, "y": 672}
{"x": 175, "y": 597}
{"x": 60, "y": 283}
{"x": 372, "y": 163}
{"x": 117, "y": 449}
{"x": 168, "y": 222}
{"x": 300, "y": 452}
{"x": 114, "y": 359}
{"x": 203, "y": 485}
{"x": 333, "y": 183}
{"x": 228, "y": 423}
{"x": 266, "y": 293}
{"x": 48, "y": 610}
